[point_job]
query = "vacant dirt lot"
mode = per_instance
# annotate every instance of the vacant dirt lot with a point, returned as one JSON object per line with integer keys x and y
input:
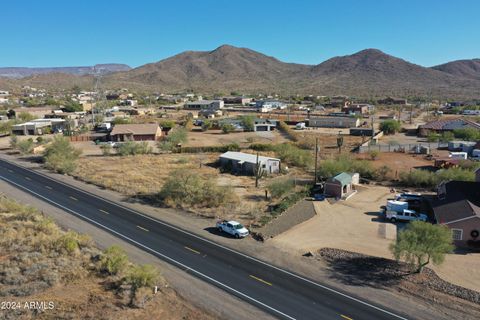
{"x": 144, "y": 175}
{"x": 217, "y": 137}
{"x": 354, "y": 225}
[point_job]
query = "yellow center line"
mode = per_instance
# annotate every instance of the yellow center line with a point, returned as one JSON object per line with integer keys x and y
{"x": 28, "y": 178}
{"x": 48, "y": 187}
{"x": 193, "y": 250}
{"x": 73, "y": 198}
{"x": 261, "y": 280}
{"x": 142, "y": 228}
{"x": 104, "y": 211}
{"x": 345, "y": 317}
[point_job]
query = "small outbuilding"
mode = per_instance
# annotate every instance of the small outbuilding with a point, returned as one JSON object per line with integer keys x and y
{"x": 245, "y": 163}
{"x": 136, "y": 132}
{"x": 342, "y": 185}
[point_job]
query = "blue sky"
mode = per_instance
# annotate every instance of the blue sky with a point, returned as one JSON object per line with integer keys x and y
{"x": 66, "y": 33}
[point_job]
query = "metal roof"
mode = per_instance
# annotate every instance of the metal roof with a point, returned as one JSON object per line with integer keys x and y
{"x": 344, "y": 178}
{"x": 246, "y": 157}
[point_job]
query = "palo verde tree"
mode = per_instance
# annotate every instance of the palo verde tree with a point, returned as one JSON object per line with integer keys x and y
{"x": 61, "y": 156}
{"x": 422, "y": 242}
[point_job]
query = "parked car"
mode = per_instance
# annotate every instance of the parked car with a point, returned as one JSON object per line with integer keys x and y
{"x": 318, "y": 197}
{"x": 233, "y": 228}
{"x": 406, "y": 215}
{"x": 409, "y": 196}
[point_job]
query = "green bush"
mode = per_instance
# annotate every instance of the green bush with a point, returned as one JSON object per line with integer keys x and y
{"x": 469, "y": 134}
{"x": 248, "y": 122}
{"x": 175, "y": 137}
{"x": 207, "y": 125}
{"x": 106, "y": 149}
{"x": 428, "y": 179}
{"x": 114, "y": 260}
{"x": 345, "y": 163}
{"x": 25, "y": 146}
{"x": 280, "y": 187}
{"x": 262, "y": 147}
{"x": 227, "y": 128}
{"x": 140, "y": 276}
{"x": 293, "y": 155}
{"x": 224, "y": 148}
{"x": 390, "y": 126}
{"x": 289, "y": 132}
{"x": 68, "y": 243}
{"x": 61, "y": 156}
{"x": 132, "y": 148}
{"x": 184, "y": 188}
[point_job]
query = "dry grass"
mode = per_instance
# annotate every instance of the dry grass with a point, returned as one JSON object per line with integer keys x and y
{"x": 141, "y": 174}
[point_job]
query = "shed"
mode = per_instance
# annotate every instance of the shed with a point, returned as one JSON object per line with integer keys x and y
{"x": 342, "y": 185}
{"x": 245, "y": 163}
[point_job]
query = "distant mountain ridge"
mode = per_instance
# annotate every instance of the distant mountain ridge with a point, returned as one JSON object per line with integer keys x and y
{"x": 22, "y": 72}
{"x": 367, "y": 73}
{"x": 462, "y": 68}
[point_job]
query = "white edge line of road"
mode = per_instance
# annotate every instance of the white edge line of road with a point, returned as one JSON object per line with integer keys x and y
{"x": 214, "y": 243}
{"x": 187, "y": 268}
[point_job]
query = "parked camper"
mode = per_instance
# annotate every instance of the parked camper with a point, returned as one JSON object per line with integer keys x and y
{"x": 458, "y": 155}
{"x": 396, "y": 206}
{"x": 300, "y": 126}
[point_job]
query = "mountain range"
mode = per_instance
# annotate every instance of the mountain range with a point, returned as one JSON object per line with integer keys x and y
{"x": 368, "y": 73}
{"x": 22, "y": 72}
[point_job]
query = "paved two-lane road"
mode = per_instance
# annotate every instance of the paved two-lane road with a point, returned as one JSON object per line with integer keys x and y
{"x": 280, "y": 292}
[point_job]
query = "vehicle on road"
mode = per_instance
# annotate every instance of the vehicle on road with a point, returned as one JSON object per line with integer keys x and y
{"x": 405, "y": 215}
{"x": 233, "y": 228}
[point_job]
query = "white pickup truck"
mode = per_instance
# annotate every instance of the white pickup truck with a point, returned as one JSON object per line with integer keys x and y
{"x": 405, "y": 215}
{"x": 233, "y": 228}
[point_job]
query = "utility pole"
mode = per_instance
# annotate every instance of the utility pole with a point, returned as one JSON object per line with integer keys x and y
{"x": 257, "y": 172}
{"x": 316, "y": 161}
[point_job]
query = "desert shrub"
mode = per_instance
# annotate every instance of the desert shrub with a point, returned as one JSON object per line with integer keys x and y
{"x": 25, "y": 146}
{"x": 67, "y": 243}
{"x": 13, "y": 141}
{"x": 207, "y": 125}
{"x": 140, "y": 276}
{"x": 289, "y": 201}
{"x": 289, "y": 132}
{"x": 433, "y": 137}
{"x": 61, "y": 156}
{"x": 227, "y": 128}
{"x": 427, "y": 179}
{"x": 25, "y": 116}
{"x": 390, "y": 126}
{"x": 470, "y": 134}
{"x": 106, "y": 149}
{"x": 167, "y": 124}
{"x": 262, "y": 147}
{"x": 374, "y": 154}
{"x": 119, "y": 120}
{"x": 345, "y": 163}
{"x": 114, "y": 260}
{"x": 446, "y": 136}
{"x": 382, "y": 172}
{"x": 279, "y": 187}
{"x": 188, "y": 189}
{"x": 132, "y": 148}
{"x": 293, "y": 155}
{"x": 248, "y": 122}
{"x": 223, "y": 148}
{"x": 176, "y": 136}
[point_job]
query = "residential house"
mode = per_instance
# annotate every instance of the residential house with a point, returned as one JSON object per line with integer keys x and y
{"x": 440, "y": 126}
{"x": 205, "y": 105}
{"x": 392, "y": 101}
{"x": 269, "y": 105}
{"x": 136, "y": 132}
{"x": 457, "y": 206}
{"x": 338, "y": 102}
{"x": 334, "y": 122}
{"x": 342, "y": 185}
{"x": 39, "y": 127}
{"x": 245, "y": 163}
{"x": 358, "y": 108}
{"x": 237, "y": 100}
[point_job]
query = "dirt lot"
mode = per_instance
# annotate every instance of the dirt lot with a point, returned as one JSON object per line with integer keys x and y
{"x": 217, "y": 137}
{"x": 327, "y": 140}
{"x": 145, "y": 175}
{"x": 364, "y": 232}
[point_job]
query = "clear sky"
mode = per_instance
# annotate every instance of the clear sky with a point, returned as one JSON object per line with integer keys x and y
{"x": 86, "y": 32}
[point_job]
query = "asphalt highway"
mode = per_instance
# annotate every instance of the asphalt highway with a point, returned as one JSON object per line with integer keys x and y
{"x": 279, "y": 292}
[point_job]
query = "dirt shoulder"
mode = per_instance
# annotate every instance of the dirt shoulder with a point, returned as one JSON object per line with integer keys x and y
{"x": 207, "y": 296}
